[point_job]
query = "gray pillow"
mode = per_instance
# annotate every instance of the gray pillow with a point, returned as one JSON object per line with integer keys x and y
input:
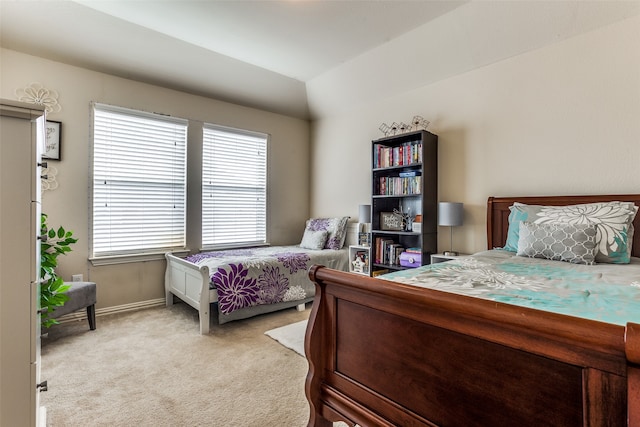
{"x": 613, "y": 222}
{"x": 314, "y": 239}
{"x": 574, "y": 243}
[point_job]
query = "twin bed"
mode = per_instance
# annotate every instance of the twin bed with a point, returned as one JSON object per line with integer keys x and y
{"x": 494, "y": 339}
{"x": 242, "y": 283}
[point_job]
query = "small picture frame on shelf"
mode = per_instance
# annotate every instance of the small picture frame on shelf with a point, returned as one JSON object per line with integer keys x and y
{"x": 53, "y": 140}
{"x": 364, "y": 239}
{"x": 390, "y": 221}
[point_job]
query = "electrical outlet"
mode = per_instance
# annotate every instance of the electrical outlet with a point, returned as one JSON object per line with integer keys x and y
{"x": 76, "y": 277}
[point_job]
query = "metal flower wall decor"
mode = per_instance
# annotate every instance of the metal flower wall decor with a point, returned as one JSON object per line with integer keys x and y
{"x": 417, "y": 123}
{"x": 35, "y": 93}
{"x": 48, "y": 179}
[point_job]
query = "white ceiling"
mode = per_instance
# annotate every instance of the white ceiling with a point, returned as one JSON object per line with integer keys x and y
{"x": 256, "y": 53}
{"x": 298, "y": 39}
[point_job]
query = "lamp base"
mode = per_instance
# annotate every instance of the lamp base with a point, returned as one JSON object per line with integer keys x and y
{"x": 450, "y": 253}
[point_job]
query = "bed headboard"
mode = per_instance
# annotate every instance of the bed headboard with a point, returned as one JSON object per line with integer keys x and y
{"x": 498, "y": 214}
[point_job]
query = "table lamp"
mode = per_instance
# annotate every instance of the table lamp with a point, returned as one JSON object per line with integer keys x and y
{"x": 364, "y": 225}
{"x": 364, "y": 218}
{"x": 450, "y": 215}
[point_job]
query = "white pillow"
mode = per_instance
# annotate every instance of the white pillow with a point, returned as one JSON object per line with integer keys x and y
{"x": 314, "y": 239}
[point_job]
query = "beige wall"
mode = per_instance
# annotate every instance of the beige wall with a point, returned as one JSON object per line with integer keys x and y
{"x": 563, "y": 119}
{"x": 288, "y": 185}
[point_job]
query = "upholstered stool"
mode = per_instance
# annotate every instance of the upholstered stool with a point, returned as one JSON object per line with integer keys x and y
{"x": 81, "y": 295}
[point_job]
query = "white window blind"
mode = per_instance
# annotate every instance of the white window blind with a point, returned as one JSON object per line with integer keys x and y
{"x": 139, "y": 182}
{"x": 234, "y": 187}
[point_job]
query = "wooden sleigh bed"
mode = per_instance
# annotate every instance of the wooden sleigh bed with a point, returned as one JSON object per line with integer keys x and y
{"x": 383, "y": 353}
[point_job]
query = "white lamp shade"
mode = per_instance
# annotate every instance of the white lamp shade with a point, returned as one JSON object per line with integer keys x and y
{"x": 450, "y": 214}
{"x": 364, "y": 214}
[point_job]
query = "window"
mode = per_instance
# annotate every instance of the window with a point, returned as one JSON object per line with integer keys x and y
{"x": 139, "y": 182}
{"x": 234, "y": 187}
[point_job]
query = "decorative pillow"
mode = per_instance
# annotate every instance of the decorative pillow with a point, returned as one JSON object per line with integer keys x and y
{"x": 613, "y": 222}
{"x": 314, "y": 239}
{"x": 574, "y": 243}
{"x": 337, "y": 228}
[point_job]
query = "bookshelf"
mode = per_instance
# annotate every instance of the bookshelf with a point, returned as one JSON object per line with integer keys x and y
{"x": 404, "y": 179}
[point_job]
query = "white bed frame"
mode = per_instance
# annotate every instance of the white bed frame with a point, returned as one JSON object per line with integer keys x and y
{"x": 190, "y": 283}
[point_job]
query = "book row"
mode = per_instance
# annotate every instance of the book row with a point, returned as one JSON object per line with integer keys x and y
{"x": 401, "y": 155}
{"x": 387, "y": 251}
{"x": 398, "y": 186}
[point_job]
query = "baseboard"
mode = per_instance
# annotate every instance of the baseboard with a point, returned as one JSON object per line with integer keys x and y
{"x": 82, "y": 314}
{"x": 42, "y": 417}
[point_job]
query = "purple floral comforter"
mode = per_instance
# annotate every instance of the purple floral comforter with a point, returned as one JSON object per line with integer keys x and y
{"x": 265, "y": 275}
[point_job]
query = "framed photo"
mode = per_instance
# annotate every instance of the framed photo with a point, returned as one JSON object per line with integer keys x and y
{"x": 53, "y": 140}
{"x": 390, "y": 221}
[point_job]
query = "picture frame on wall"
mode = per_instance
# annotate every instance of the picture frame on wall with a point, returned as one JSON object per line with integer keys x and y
{"x": 53, "y": 140}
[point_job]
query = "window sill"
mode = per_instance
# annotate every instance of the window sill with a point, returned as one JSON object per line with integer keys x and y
{"x": 232, "y": 246}
{"x": 124, "y": 259}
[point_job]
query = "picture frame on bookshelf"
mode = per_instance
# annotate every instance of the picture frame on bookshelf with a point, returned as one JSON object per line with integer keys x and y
{"x": 364, "y": 239}
{"x": 359, "y": 259}
{"x": 361, "y": 263}
{"x": 390, "y": 221}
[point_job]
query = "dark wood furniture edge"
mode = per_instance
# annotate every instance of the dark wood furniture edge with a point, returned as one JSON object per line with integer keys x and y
{"x": 632, "y": 351}
{"x": 498, "y": 213}
{"x": 609, "y": 354}
{"x": 598, "y": 346}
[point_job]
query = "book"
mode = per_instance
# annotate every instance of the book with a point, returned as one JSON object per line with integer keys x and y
{"x": 393, "y": 254}
{"x": 381, "y": 249}
{"x": 405, "y": 154}
{"x": 379, "y": 272}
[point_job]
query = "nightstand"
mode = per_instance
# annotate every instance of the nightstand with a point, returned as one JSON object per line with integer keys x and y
{"x": 436, "y": 258}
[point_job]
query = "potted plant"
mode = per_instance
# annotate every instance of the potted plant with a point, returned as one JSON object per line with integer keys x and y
{"x": 52, "y": 287}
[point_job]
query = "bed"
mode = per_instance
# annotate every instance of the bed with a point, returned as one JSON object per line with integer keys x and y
{"x": 246, "y": 282}
{"x": 388, "y": 353}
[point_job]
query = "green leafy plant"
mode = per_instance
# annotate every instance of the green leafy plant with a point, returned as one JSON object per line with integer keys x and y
{"x": 52, "y": 287}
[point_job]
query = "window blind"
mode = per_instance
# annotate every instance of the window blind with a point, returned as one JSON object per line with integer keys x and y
{"x": 139, "y": 182}
{"x": 234, "y": 187}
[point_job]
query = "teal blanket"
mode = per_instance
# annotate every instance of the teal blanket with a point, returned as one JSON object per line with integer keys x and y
{"x": 604, "y": 292}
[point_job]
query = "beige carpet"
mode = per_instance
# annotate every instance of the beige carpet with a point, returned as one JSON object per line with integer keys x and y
{"x": 152, "y": 368}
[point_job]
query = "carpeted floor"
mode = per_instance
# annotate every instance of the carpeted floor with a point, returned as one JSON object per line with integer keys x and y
{"x": 152, "y": 368}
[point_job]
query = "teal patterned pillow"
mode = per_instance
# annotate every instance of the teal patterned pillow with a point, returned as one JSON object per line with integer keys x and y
{"x": 574, "y": 243}
{"x": 613, "y": 222}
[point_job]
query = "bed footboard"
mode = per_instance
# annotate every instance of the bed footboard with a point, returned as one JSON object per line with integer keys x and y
{"x": 191, "y": 284}
{"x": 632, "y": 350}
{"x": 382, "y": 353}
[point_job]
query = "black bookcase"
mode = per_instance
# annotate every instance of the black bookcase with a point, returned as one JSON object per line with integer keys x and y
{"x": 404, "y": 178}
